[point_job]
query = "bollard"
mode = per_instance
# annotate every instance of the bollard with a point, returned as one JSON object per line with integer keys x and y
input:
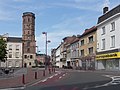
{"x": 43, "y": 72}
{"x": 49, "y": 71}
{"x": 35, "y": 75}
{"x": 23, "y": 79}
{"x": 54, "y": 69}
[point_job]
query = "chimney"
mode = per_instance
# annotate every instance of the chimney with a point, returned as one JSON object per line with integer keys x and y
{"x": 105, "y": 9}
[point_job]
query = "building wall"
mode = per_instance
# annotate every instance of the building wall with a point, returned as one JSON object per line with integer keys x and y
{"x": 58, "y": 63}
{"x": 87, "y": 44}
{"x": 108, "y": 34}
{"x": 109, "y": 61}
{"x": 13, "y": 60}
{"x": 88, "y": 59}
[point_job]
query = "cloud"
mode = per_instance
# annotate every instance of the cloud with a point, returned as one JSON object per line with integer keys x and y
{"x": 55, "y": 38}
{"x": 106, "y": 3}
{"x": 81, "y": 4}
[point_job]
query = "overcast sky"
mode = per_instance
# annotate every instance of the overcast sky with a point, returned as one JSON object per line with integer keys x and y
{"x": 59, "y": 18}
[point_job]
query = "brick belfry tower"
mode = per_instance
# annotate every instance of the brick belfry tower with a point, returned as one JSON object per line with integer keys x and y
{"x": 28, "y": 38}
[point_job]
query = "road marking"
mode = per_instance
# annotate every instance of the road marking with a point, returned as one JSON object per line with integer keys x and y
{"x": 56, "y": 74}
{"x": 44, "y": 80}
{"x": 51, "y": 76}
{"x": 63, "y": 75}
{"x": 60, "y": 77}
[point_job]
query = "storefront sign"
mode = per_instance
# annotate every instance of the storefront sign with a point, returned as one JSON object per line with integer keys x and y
{"x": 108, "y": 56}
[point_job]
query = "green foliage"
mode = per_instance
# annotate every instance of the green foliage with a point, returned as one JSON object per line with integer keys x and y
{"x": 3, "y": 51}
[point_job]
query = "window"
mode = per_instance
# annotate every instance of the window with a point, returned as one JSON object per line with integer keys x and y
{"x": 90, "y": 39}
{"x": 17, "y": 54}
{"x": 28, "y": 32}
{"x": 31, "y": 56}
{"x": 77, "y": 53}
{"x": 29, "y": 63}
{"x": 103, "y": 30}
{"x": 90, "y": 50}
{"x": 82, "y": 52}
{"x": 103, "y": 44}
{"x": 112, "y": 26}
{"x": 17, "y": 47}
{"x": 10, "y": 47}
{"x": 28, "y": 50}
{"x": 82, "y": 42}
{"x": 112, "y": 41}
{"x": 25, "y": 56}
{"x": 10, "y": 54}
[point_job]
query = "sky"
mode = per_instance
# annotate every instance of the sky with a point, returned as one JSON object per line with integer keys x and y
{"x": 59, "y": 18}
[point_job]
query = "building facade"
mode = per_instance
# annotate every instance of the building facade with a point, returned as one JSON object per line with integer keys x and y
{"x": 87, "y": 48}
{"x": 14, "y": 52}
{"x": 108, "y": 45}
{"x": 58, "y": 62}
{"x": 28, "y": 39}
{"x": 74, "y": 53}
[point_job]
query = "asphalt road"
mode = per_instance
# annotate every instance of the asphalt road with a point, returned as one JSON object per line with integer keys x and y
{"x": 77, "y": 80}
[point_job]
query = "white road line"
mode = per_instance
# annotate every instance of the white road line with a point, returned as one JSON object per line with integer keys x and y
{"x": 60, "y": 77}
{"x": 44, "y": 80}
{"x": 56, "y": 74}
{"x": 63, "y": 75}
{"x": 51, "y": 76}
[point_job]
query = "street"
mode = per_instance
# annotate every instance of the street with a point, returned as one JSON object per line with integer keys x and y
{"x": 76, "y": 80}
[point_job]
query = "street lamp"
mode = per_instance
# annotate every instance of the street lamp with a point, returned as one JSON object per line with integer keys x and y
{"x": 46, "y": 42}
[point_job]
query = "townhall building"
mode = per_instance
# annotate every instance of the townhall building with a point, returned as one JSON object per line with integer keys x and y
{"x": 108, "y": 37}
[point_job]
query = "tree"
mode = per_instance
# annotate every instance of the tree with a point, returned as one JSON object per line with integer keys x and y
{"x": 3, "y": 52}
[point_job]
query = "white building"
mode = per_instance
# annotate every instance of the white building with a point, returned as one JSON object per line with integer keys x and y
{"x": 14, "y": 52}
{"x": 108, "y": 40}
{"x": 58, "y": 62}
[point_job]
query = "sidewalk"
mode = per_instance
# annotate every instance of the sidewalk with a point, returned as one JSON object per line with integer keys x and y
{"x": 29, "y": 78}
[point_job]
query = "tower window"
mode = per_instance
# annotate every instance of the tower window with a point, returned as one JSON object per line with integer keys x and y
{"x": 28, "y": 50}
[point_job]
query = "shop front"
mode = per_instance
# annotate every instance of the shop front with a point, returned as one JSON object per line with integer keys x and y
{"x": 88, "y": 62}
{"x": 108, "y": 61}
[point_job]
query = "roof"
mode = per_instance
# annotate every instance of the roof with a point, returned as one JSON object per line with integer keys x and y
{"x": 75, "y": 40}
{"x": 88, "y": 31}
{"x": 14, "y": 39}
{"x": 109, "y": 14}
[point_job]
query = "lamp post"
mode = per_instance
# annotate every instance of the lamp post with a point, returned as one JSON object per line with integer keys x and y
{"x": 46, "y": 42}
